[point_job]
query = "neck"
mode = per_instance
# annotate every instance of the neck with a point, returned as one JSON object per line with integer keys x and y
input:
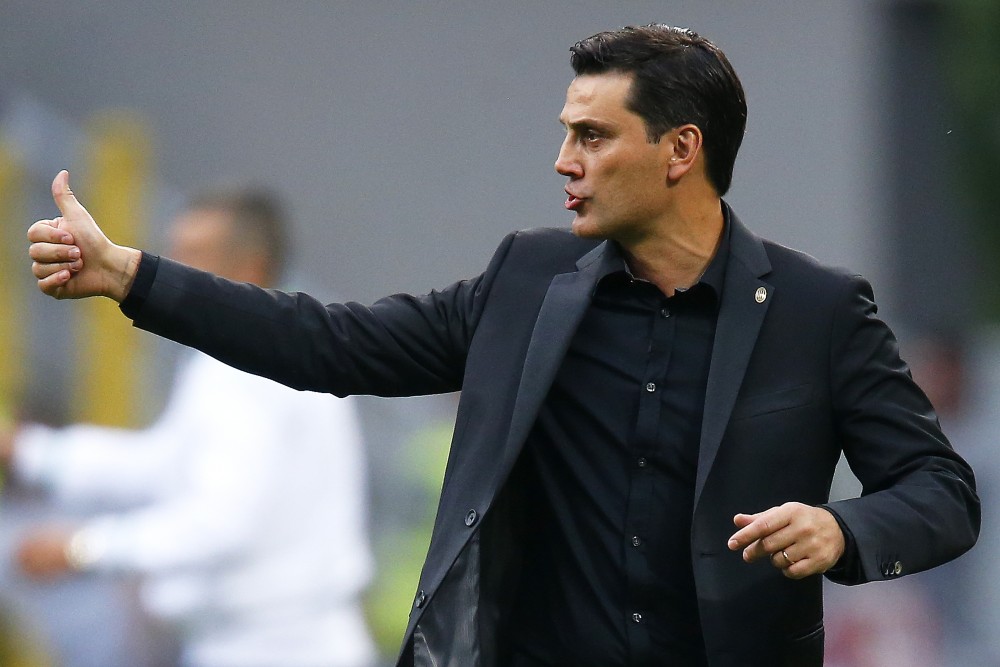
{"x": 680, "y": 248}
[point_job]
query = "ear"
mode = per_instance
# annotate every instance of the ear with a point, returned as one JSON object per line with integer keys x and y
{"x": 686, "y": 143}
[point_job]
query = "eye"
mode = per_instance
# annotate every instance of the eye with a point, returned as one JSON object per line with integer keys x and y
{"x": 590, "y": 136}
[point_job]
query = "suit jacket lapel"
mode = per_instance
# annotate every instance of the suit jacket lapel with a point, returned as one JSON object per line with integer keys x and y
{"x": 745, "y": 299}
{"x": 565, "y": 302}
{"x": 740, "y": 319}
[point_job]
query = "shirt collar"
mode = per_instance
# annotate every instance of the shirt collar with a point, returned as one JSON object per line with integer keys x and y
{"x": 613, "y": 260}
{"x": 715, "y": 274}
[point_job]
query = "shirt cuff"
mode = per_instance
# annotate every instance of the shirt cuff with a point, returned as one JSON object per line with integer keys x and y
{"x": 847, "y": 568}
{"x": 141, "y": 286}
{"x": 34, "y": 461}
{"x": 87, "y": 547}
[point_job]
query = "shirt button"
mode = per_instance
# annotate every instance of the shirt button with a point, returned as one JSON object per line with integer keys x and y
{"x": 637, "y": 617}
{"x": 636, "y": 541}
{"x": 650, "y": 386}
{"x": 641, "y": 462}
{"x": 471, "y": 517}
{"x": 664, "y": 312}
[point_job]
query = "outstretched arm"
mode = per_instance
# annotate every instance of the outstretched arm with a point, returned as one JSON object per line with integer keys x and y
{"x": 72, "y": 258}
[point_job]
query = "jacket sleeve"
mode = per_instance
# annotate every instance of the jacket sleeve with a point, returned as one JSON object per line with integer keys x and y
{"x": 401, "y": 345}
{"x": 918, "y": 507}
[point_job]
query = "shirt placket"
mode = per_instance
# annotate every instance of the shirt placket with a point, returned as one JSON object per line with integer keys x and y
{"x": 642, "y": 479}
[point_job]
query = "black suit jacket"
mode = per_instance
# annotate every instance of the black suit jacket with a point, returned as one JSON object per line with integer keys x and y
{"x": 801, "y": 370}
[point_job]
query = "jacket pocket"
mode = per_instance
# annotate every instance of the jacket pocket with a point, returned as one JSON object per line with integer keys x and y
{"x": 805, "y": 649}
{"x": 773, "y": 401}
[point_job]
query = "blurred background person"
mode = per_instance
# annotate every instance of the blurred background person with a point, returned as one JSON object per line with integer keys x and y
{"x": 946, "y": 617}
{"x": 246, "y": 499}
{"x": 953, "y": 367}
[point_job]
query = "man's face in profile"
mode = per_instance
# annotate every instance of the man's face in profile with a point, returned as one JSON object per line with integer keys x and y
{"x": 617, "y": 183}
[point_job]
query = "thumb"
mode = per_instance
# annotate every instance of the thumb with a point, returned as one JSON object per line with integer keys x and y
{"x": 64, "y": 197}
{"x": 743, "y": 520}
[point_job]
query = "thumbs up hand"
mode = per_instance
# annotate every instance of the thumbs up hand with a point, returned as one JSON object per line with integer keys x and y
{"x": 72, "y": 258}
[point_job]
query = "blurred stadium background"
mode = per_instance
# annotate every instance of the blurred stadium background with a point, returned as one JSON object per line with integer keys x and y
{"x": 408, "y": 138}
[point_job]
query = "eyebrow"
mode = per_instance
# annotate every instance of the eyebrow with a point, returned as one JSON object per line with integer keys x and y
{"x": 585, "y": 123}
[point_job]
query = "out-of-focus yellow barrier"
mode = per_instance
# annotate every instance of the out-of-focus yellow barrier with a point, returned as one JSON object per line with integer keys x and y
{"x": 12, "y": 314}
{"x": 109, "y": 359}
{"x": 19, "y": 645}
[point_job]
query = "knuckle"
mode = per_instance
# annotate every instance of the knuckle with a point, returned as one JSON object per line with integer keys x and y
{"x": 40, "y": 230}
{"x": 34, "y": 230}
{"x": 792, "y": 509}
{"x": 35, "y": 251}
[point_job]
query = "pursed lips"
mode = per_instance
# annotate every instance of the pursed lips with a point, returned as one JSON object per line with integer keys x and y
{"x": 573, "y": 202}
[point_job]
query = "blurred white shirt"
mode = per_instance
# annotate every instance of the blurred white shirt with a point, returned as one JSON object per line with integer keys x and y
{"x": 251, "y": 531}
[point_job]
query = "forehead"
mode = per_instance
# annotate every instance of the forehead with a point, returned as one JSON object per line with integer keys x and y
{"x": 602, "y": 95}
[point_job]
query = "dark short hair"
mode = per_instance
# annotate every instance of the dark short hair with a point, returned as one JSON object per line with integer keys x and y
{"x": 680, "y": 77}
{"x": 259, "y": 220}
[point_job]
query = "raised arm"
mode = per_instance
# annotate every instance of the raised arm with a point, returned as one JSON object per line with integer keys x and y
{"x": 72, "y": 258}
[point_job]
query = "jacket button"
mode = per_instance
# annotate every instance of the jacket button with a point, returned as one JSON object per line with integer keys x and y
{"x": 421, "y": 600}
{"x": 897, "y": 569}
{"x": 471, "y": 517}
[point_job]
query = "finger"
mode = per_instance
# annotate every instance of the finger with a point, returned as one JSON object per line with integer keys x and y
{"x": 53, "y": 252}
{"x": 767, "y": 547}
{"x": 783, "y": 559}
{"x": 64, "y": 197}
{"x": 760, "y": 525}
{"x": 754, "y": 552}
{"x": 48, "y": 231}
{"x": 44, "y": 270}
{"x": 801, "y": 569}
{"x": 785, "y": 538}
{"x": 54, "y": 283}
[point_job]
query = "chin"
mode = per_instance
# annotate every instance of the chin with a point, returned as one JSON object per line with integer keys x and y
{"x": 586, "y": 230}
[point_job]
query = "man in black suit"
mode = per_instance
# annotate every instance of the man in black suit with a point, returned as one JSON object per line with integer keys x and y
{"x": 652, "y": 406}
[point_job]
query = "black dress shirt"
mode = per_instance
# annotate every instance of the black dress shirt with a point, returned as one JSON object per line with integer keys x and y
{"x": 612, "y": 459}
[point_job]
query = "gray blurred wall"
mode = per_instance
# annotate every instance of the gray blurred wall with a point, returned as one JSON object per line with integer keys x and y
{"x": 410, "y": 137}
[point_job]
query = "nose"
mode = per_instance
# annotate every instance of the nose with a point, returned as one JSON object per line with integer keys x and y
{"x": 566, "y": 162}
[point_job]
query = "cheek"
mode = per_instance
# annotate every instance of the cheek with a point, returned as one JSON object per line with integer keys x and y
{"x": 638, "y": 187}
{"x": 655, "y": 183}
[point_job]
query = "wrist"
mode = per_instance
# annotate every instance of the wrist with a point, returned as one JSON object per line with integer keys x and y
{"x": 84, "y": 549}
{"x": 125, "y": 266}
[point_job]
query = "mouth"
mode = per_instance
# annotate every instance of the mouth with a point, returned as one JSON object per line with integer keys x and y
{"x": 573, "y": 202}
